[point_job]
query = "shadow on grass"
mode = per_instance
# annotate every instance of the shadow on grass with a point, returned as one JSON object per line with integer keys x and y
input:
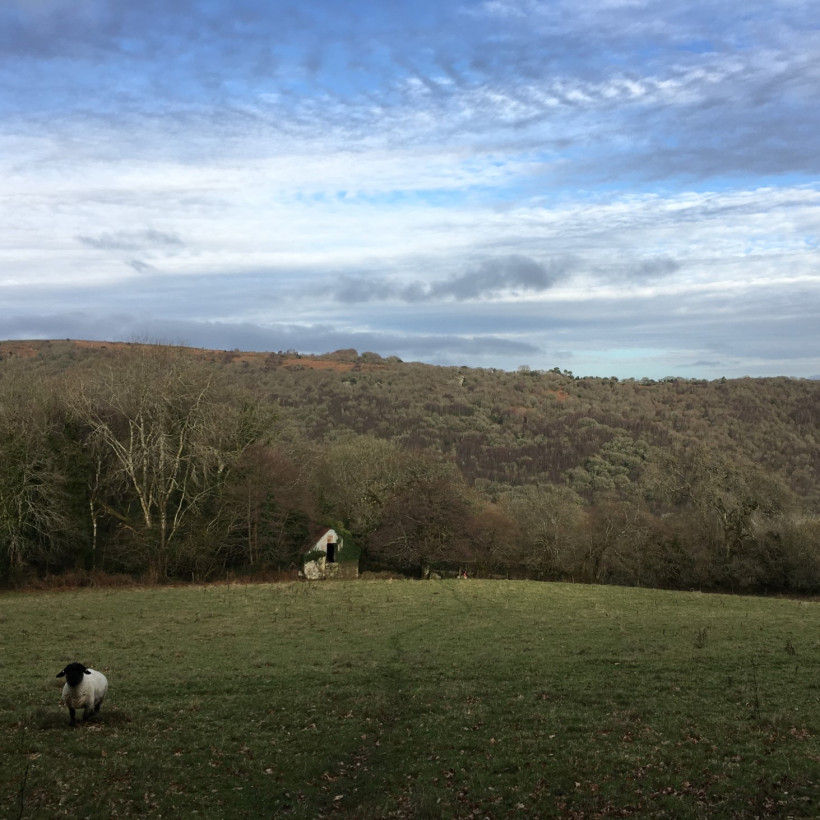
{"x": 46, "y": 720}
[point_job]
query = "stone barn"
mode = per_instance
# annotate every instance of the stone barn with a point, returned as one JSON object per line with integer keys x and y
{"x": 329, "y": 557}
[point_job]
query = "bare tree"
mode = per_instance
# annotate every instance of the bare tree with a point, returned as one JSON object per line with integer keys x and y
{"x": 615, "y": 541}
{"x": 494, "y": 540}
{"x": 355, "y": 477}
{"x": 551, "y": 521}
{"x": 272, "y": 505}
{"x": 426, "y": 521}
{"x": 165, "y": 442}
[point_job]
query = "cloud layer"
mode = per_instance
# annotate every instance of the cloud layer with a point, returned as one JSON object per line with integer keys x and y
{"x": 619, "y": 188}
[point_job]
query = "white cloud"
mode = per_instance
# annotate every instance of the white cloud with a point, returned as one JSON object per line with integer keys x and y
{"x": 622, "y": 176}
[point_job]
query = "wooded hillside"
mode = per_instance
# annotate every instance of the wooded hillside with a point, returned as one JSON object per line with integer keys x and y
{"x": 177, "y": 463}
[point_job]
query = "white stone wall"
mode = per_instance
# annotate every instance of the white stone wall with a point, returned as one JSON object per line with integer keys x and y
{"x": 314, "y": 570}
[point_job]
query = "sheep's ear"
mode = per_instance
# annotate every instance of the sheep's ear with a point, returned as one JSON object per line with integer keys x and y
{"x": 61, "y": 674}
{"x": 87, "y": 671}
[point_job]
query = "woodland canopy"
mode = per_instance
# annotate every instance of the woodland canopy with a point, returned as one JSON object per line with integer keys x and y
{"x": 169, "y": 463}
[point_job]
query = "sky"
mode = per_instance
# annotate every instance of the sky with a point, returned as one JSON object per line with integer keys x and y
{"x": 619, "y": 188}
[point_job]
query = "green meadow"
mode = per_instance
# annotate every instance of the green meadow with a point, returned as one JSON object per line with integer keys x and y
{"x": 372, "y": 699}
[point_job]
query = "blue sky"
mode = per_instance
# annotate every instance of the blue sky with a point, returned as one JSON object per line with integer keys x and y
{"x": 614, "y": 187}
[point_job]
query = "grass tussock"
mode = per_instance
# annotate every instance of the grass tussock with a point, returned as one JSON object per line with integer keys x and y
{"x": 411, "y": 699}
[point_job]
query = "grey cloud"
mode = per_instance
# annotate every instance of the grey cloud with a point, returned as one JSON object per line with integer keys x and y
{"x": 317, "y": 339}
{"x": 491, "y": 277}
{"x": 758, "y": 332}
{"x": 359, "y": 290}
{"x": 131, "y": 240}
{"x": 77, "y": 324}
{"x": 141, "y": 267}
{"x": 655, "y": 268}
{"x": 415, "y": 292}
{"x": 306, "y": 338}
{"x": 356, "y": 290}
{"x": 647, "y": 270}
{"x": 518, "y": 273}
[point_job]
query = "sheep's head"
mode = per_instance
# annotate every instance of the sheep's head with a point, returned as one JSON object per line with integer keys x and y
{"x": 73, "y": 673}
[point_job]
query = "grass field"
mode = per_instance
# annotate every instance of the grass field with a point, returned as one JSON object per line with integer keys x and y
{"x": 373, "y": 699}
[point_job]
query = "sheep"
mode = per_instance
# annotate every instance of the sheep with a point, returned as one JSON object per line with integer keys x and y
{"x": 84, "y": 689}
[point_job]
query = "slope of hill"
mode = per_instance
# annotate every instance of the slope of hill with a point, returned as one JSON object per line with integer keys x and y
{"x": 511, "y": 427}
{"x": 690, "y": 461}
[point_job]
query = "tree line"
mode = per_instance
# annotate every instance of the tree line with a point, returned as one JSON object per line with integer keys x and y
{"x": 154, "y": 462}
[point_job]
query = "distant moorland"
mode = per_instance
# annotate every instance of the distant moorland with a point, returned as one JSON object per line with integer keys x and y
{"x": 164, "y": 462}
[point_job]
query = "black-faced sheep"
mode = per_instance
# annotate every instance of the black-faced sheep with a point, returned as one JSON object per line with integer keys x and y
{"x": 84, "y": 689}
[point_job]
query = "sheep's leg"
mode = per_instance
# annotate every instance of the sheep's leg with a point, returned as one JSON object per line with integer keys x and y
{"x": 97, "y": 707}
{"x": 72, "y": 714}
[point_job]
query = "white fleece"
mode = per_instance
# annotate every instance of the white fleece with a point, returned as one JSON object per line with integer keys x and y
{"x": 88, "y": 694}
